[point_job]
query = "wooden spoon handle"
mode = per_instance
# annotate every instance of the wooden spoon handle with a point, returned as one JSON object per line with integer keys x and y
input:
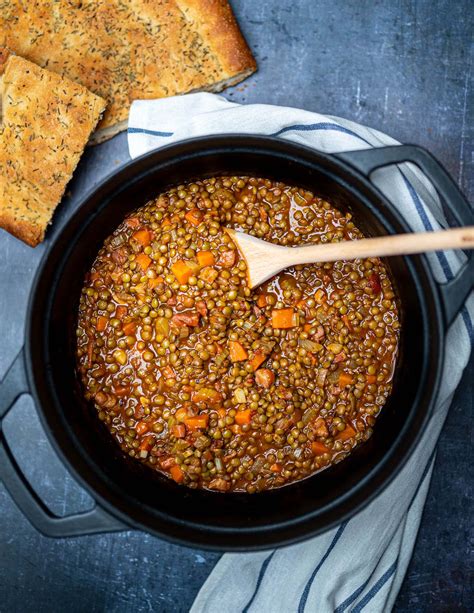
{"x": 400, "y": 244}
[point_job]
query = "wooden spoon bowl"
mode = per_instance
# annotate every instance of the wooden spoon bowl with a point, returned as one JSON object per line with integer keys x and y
{"x": 264, "y": 260}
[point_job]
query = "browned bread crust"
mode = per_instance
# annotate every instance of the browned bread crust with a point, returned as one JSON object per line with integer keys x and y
{"x": 217, "y": 25}
{"x": 132, "y": 49}
{"x": 46, "y": 122}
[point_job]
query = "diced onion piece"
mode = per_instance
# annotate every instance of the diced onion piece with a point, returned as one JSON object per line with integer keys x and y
{"x": 310, "y": 346}
{"x": 240, "y": 396}
{"x": 162, "y": 326}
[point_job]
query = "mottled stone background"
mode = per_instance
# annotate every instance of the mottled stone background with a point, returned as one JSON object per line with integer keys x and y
{"x": 401, "y": 66}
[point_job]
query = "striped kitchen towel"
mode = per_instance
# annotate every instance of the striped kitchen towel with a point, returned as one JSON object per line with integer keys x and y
{"x": 360, "y": 564}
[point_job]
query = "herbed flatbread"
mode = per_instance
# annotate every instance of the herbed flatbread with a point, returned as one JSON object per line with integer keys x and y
{"x": 125, "y": 50}
{"x": 46, "y": 123}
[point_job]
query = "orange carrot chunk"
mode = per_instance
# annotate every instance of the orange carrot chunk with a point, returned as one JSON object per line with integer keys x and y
{"x": 129, "y": 328}
{"x": 345, "y": 379}
{"x": 265, "y": 377}
{"x": 284, "y": 318}
{"x": 197, "y": 421}
{"x": 237, "y": 351}
{"x": 147, "y": 443}
{"x": 346, "y": 434}
{"x": 179, "y": 431}
{"x": 258, "y": 359}
{"x": 143, "y": 237}
{"x": 243, "y": 417}
{"x": 152, "y": 283}
{"x": 276, "y": 468}
{"x": 120, "y": 311}
{"x": 189, "y": 318}
{"x": 143, "y": 260}
{"x": 101, "y": 323}
{"x": 206, "y": 258}
{"x": 181, "y": 271}
{"x": 194, "y": 217}
{"x": 262, "y": 300}
{"x": 142, "y": 427}
{"x": 122, "y": 390}
{"x": 177, "y": 474}
{"x": 319, "y": 448}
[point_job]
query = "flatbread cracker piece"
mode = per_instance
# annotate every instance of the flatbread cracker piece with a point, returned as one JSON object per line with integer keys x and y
{"x": 46, "y": 123}
{"x": 124, "y": 50}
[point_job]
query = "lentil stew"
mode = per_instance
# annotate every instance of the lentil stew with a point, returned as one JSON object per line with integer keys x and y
{"x": 220, "y": 387}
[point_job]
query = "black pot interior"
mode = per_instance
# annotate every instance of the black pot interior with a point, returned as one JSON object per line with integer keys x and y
{"x": 144, "y": 497}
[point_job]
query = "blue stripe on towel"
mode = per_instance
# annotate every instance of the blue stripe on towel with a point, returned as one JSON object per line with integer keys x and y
{"x": 356, "y": 593}
{"x": 312, "y": 127}
{"x": 261, "y": 574}
{"x": 442, "y": 259}
{"x": 468, "y": 323}
{"x": 427, "y": 225}
{"x": 376, "y": 588}
{"x": 304, "y": 596}
{"x": 145, "y": 131}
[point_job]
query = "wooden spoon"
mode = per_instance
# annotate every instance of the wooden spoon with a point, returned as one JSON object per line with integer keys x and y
{"x": 266, "y": 259}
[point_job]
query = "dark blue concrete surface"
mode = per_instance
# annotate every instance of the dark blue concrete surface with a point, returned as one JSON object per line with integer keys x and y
{"x": 403, "y": 67}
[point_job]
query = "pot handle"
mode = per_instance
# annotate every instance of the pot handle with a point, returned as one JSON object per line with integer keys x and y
{"x": 93, "y": 521}
{"x": 454, "y": 292}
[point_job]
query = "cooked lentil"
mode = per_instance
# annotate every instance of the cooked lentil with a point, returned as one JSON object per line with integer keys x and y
{"x": 220, "y": 387}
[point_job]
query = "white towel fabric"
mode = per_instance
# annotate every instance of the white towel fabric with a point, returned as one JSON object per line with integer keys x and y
{"x": 361, "y": 564}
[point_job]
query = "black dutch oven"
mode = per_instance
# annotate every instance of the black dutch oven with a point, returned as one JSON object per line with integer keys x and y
{"x": 129, "y": 495}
